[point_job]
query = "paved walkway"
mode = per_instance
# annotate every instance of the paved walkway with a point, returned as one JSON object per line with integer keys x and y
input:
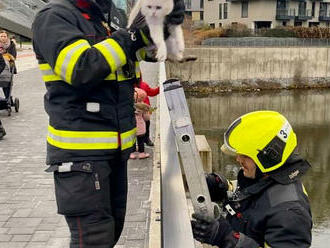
{"x": 28, "y": 216}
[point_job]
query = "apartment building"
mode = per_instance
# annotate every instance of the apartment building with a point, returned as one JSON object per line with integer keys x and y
{"x": 267, "y": 13}
{"x": 195, "y": 8}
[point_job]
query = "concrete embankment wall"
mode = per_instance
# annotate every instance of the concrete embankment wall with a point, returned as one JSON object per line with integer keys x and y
{"x": 259, "y": 67}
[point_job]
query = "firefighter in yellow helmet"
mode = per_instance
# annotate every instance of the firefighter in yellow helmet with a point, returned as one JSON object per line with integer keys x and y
{"x": 269, "y": 207}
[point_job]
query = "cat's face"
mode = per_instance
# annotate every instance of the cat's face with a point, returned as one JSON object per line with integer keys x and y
{"x": 156, "y": 8}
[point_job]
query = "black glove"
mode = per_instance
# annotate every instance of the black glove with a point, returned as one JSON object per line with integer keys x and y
{"x": 130, "y": 40}
{"x": 212, "y": 231}
{"x": 218, "y": 186}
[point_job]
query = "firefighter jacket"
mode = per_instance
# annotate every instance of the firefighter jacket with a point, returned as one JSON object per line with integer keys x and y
{"x": 89, "y": 96}
{"x": 270, "y": 214}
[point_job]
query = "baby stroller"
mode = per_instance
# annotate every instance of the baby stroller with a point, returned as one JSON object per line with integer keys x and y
{"x": 6, "y": 83}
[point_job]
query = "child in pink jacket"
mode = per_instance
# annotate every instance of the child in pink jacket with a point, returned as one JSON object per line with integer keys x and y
{"x": 141, "y": 116}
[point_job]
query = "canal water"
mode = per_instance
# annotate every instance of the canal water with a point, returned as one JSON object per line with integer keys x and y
{"x": 308, "y": 111}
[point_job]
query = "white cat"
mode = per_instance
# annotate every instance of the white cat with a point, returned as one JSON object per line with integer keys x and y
{"x": 155, "y": 12}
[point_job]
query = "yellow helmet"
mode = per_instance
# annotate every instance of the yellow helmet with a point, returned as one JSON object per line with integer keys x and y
{"x": 264, "y": 136}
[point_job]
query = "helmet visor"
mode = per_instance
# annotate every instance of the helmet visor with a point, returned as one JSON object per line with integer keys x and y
{"x": 226, "y": 147}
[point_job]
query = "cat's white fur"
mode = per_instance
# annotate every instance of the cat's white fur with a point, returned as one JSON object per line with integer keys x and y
{"x": 155, "y": 12}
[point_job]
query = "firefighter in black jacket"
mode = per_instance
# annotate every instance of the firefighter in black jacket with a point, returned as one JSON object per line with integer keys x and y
{"x": 89, "y": 72}
{"x": 269, "y": 207}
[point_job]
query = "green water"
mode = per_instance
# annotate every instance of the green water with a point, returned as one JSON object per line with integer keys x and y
{"x": 309, "y": 114}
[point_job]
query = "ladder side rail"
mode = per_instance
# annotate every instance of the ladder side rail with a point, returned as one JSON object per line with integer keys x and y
{"x": 176, "y": 228}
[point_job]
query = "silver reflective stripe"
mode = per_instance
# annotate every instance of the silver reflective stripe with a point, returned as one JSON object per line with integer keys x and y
{"x": 113, "y": 53}
{"x": 128, "y": 139}
{"x": 68, "y": 57}
{"x": 47, "y": 72}
{"x": 82, "y": 140}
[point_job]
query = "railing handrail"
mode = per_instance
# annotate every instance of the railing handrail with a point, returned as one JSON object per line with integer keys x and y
{"x": 176, "y": 228}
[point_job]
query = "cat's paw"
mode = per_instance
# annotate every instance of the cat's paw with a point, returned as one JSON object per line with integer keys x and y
{"x": 161, "y": 53}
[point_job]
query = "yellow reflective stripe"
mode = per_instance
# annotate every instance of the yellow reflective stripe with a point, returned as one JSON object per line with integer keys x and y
{"x": 50, "y": 78}
{"x": 82, "y": 140}
{"x": 141, "y": 54}
{"x": 45, "y": 67}
{"x": 304, "y": 189}
{"x": 48, "y": 74}
{"x": 112, "y": 52}
{"x": 68, "y": 57}
{"x": 144, "y": 38}
{"x": 137, "y": 69}
{"x": 111, "y": 76}
{"x": 267, "y": 246}
{"x": 128, "y": 139}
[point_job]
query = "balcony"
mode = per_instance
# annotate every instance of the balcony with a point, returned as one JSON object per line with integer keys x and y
{"x": 304, "y": 15}
{"x": 324, "y": 16}
{"x": 285, "y": 14}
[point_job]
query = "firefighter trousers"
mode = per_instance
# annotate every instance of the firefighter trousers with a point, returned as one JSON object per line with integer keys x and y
{"x": 92, "y": 196}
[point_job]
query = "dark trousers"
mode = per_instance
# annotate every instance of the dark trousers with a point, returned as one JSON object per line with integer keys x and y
{"x": 6, "y": 92}
{"x": 93, "y": 199}
{"x": 140, "y": 143}
{"x": 147, "y": 135}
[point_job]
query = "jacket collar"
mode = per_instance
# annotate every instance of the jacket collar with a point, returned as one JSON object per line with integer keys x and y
{"x": 89, "y": 9}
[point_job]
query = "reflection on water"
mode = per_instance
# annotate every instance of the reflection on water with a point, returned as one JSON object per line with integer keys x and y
{"x": 309, "y": 114}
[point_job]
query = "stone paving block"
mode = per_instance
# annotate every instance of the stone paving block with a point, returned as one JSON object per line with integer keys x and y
{"x": 3, "y": 230}
{"x": 36, "y": 245}
{"x": 23, "y": 222}
{"x": 12, "y": 244}
{"x": 41, "y": 236}
{"x": 58, "y": 243}
{"x": 21, "y": 230}
{"x": 5, "y": 237}
{"x": 21, "y": 238}
{"x": 21, "y": 213}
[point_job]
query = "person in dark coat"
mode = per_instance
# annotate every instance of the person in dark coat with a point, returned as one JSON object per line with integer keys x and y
{"x": 8, "y": 50}
{"x": 269, "y": 207}
{"x": 2, "y": 66}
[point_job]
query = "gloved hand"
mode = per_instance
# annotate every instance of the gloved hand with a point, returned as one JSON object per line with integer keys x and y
{"x": 130, "y": 40}
{"x": 218, "y": 186}
{"x": 211, "y": 231}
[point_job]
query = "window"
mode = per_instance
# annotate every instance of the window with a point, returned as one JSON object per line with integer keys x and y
{"x": 225, "y": 10}
{"x": 313, "y": 9}
{"x": 245, "y": 8}
{"x": 220, "y": 11}
{"x": 284, "y": 24}
{"x": 201, "y": 15}
{"x": 220, "y": 24}
{"x": 323, "y": 9}
{"x": 212, "y": 25}
{"x": 201, "y": 4}
{"x": 188, "y": 4}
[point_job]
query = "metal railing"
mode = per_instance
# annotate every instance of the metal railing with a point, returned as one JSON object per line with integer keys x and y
{"x": 285, "y": 14}
{"x": 176, "y": 228}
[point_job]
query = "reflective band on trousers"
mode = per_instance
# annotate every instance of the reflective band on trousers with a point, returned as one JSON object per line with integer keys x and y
{"x": 48, "y": 74}
{"x": 112, "y": 53}
{"x": 68, "y": 57}
{"x": 89, "y": 140}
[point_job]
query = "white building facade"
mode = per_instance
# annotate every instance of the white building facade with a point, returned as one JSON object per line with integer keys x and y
{"x": 267, "y": 13}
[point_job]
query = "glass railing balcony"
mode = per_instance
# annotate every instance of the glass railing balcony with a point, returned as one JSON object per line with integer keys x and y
{"x": 304, "y": 15}
{"x": 285, "y": 14}
{"x": 324, "y": 15}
